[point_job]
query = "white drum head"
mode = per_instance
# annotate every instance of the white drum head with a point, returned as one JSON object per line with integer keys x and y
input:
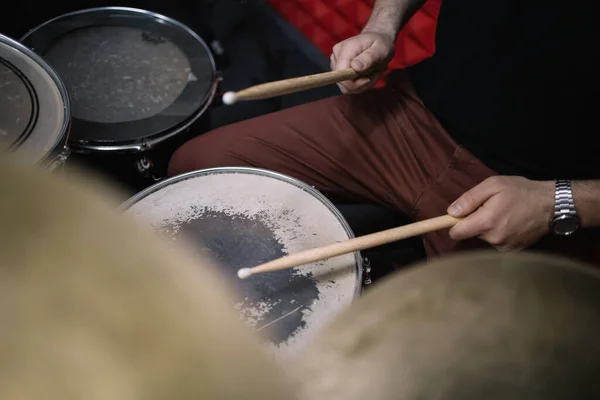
{"x": 34, "y": 107}
{"x": 244, "y": 217}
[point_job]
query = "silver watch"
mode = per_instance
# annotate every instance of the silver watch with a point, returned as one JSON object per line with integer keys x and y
{"x": 565, "y": 220}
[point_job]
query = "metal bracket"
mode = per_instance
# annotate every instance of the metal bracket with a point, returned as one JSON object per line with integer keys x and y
{"x": 144, "y": 165}
{"x": 367, "y": 271}
{"x": 59, "y": 162}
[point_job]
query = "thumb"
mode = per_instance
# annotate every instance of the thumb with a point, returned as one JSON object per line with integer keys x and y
{"x": 457, "y": 209}
{"x": 472, "y": 199}
{"x": 365, "y": 60}
{"x": 465, "y": 205}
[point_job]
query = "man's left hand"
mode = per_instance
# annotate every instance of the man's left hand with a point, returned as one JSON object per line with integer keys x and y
{"x": 509, "y": 212}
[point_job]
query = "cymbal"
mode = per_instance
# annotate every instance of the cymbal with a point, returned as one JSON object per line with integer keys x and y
{"x": 93, "y": 306}
{"x": 479, "y": 325}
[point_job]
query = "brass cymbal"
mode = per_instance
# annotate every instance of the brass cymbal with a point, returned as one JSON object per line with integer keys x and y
{"x": 474, "y": 326}
{"x": 94, "y": 307}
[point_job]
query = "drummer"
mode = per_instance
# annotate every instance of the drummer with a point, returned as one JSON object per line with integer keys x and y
{"x": 481, "y": 130}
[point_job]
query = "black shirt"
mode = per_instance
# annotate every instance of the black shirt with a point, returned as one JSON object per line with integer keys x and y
{"x": 515, "y": 82}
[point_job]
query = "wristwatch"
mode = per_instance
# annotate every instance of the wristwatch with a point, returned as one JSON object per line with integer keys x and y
{"x": 565, "y": 221}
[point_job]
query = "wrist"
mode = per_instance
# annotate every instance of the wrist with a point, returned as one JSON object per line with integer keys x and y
{"x": 381, "y": 29}
{"x": 385, "y": 21}
{"x": 389, "y": 16}
{"x": 547, "y": 199}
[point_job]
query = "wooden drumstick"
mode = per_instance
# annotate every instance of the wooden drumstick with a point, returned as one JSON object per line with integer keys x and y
{"x": 287, "y": 86}
{"x": 352, "y": 245}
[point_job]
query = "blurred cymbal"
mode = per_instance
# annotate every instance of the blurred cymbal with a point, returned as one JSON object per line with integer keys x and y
{"x": 469, "y": 327}
{"x": 94, "y": 307}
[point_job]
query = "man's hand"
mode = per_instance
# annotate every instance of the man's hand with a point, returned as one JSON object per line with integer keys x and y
{"x": 511, "y": 213}
{"x": 368, "y": 53}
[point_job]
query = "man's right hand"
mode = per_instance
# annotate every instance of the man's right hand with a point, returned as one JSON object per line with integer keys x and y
{"x": 368, "y": 53}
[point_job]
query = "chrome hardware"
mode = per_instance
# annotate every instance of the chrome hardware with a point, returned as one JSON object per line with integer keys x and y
{"x": 143, "y": 165}
{"x": 367, "y": 270}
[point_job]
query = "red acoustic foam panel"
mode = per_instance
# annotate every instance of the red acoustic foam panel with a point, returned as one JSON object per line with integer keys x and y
{"x": 327, "y": 22}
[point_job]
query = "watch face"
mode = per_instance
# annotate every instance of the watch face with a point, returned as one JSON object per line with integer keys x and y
{"x": 565, "y": 225}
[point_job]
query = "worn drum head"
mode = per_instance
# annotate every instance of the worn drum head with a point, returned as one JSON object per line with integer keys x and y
{"x": 134, "y": 77}
{"x": 34, "y": 107}
{"x": 244, "y": 217}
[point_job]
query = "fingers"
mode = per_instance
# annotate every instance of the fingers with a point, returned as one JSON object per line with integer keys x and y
{"x": 370, "y": 59}
{"x": 477, "y": 220}
{"x": 474, "y": 198}
{"x": 361, "y": 84}
{"x": 346, "y": 51}
{"x": 364, "y": 54}
{"x": 483, "y": 225}
{"x": 490, "y": 224}
{"x": 342, "y": 61}
{"x": 476, "y": 224}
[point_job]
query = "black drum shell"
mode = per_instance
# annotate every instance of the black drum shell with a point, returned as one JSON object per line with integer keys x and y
{"x": 142, "y": 157}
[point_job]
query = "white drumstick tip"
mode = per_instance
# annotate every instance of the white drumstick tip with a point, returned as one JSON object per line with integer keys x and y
{"x": 229, "y": 98}
{"x": 244, "y": 273}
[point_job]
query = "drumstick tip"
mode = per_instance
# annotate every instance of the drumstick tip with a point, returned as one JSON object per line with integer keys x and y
{"x": 229, "y": 98}
{"x": 244, "y": 273}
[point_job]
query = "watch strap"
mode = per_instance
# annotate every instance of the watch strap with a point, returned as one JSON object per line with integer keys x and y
{"x": 563, "y": 199}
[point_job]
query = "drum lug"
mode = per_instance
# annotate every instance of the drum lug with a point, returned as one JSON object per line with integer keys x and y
{"x": 143, "y": 165}
{"x": 367, "y": 271}
{"x": 59, "y": 161}
{"x": 218, "y": 99}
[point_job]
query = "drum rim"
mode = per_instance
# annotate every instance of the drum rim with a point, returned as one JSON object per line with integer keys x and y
{"x": 136, "y": 198}
{"x": 63, "y": 137}
{"x": 146, "y": 143}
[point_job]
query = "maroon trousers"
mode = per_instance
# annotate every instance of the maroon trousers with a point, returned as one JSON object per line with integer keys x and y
{"x": 381, "y": 147}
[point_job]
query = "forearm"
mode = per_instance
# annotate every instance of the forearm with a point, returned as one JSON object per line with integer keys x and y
{"x": 389, "y": 16}
{"x": 586, "y": 195}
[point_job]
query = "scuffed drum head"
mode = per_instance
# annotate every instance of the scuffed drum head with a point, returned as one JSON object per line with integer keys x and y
{"x": 135, "y": 78}
{"x": 244, "y": 217}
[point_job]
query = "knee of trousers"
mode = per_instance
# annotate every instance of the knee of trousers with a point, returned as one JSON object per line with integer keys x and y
{"x": 200, "y": 153}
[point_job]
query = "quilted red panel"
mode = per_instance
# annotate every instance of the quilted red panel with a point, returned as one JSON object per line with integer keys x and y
{"x": 326, "y": 22}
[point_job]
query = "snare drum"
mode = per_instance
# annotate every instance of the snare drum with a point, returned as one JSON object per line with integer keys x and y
{"x": 242, "y": 217}
{"x": 137, "y": 81}
{"x": 34, "y": 107}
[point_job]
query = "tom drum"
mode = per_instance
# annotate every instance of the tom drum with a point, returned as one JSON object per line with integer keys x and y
{"x": 137, "y": 82}
{"x": 34, "y": 107}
